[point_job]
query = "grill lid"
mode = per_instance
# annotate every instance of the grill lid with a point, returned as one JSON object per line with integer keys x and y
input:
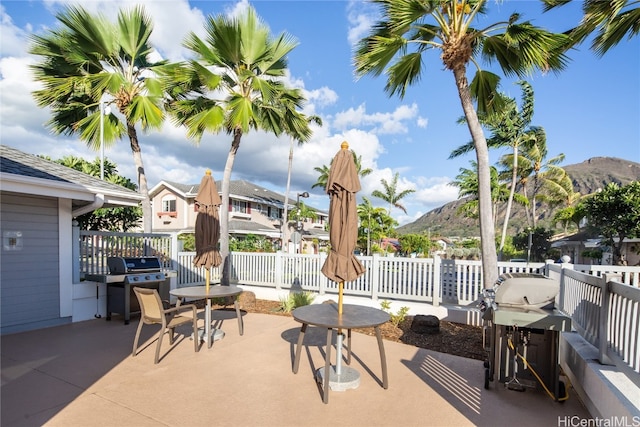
{"x": 129, "y": 265}
{"x": 525, "y": 290}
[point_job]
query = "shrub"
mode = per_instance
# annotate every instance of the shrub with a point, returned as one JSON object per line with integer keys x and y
{"x": 295, "y": 300}
{"x": 397, "y": 318}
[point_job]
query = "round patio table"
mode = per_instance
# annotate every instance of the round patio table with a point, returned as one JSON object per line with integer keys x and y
{"x": 353, "y": 316}
{"x": 215, "y": 291}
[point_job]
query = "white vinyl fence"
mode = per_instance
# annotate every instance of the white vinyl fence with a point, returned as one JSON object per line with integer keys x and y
{"x": 605, "y": 312}
{"x": 431, "y": 280}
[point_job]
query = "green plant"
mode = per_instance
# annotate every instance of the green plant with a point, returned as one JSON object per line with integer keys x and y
{"x": 295, "y": 300}
{"x": 396, "y": 318}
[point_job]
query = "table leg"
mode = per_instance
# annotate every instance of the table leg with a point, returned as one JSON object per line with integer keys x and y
{"x": 296, "y": 360}
{"x": 239, "y": 316}
{"x": 348, "y": 346}
{"x": 207, "y": 326}
{"x": 327, "y": 367}
{"x": 383, "y": 358}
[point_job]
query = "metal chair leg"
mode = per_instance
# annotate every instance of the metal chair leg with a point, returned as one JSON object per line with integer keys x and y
{"x": 135, "y": 340}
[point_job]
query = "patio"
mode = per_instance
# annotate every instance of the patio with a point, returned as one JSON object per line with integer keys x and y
{"x": 82, "y": 374}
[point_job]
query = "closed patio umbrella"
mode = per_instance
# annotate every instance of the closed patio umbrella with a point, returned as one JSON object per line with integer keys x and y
{"x": 342, "y": 184}
{"x": 207, "y": 231}
{"x": 341, "y": 265}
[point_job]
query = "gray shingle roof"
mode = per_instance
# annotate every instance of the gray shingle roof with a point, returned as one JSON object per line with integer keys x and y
{"x": 249, "y": 226}
{"x": 239, "y": 188}
{"x": 19, "y": 163}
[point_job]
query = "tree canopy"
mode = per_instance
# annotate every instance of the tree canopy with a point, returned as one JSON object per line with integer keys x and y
{"x": 615, "y": 212}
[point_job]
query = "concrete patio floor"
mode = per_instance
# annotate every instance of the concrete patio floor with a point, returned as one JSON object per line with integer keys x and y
{"x": 83, "y": 374}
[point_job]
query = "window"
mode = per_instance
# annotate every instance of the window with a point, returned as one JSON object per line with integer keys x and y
{"x": 239, "y": 206}
{"x": 274, "y": 213}
{"x": 168, "y": 207}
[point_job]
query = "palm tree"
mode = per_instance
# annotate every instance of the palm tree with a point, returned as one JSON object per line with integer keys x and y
{"x": 285, "y": 229}
{"x": 90, "y": 57}
{"x": 302, "y": 213}
{"x": 533, "y": 165}
{"x": 612, "y": 21}
{"x": 235, "y": 85}
{"x": 372, "y": 222}
{"x": 467, "y": 183}
{"x": 390, "y": 193}
{"x": 412, "y": 27}
{"x": 509, "y": 127}
{"x": 324, "y": 171}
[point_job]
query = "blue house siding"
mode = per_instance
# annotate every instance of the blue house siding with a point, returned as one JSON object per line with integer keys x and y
{"x": 29, "y": 273}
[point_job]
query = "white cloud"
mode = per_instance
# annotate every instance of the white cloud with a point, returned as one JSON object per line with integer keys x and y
{"x": 434, "y": 191}
{"x": 361, "y": 17}
{"x": 12, "y": 39}
{"x": 323, "y": 97}
{"x": 380, "y": 123}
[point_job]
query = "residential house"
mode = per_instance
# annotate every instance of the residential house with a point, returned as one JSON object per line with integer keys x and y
{"x": 580, "y": 244}
{"x": 38, "y": 201}
{"x": 252, "y": 210}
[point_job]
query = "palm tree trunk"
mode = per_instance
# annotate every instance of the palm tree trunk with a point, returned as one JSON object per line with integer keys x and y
{"x": 507, "y": 214}
{"x": 285, "y": 219}
{"x": 534, "y": 218}
{"x": 143, "y": 188}
{"x": 224, "y": 208}
{"x": 527, "y": 209}
{"x": 487, "y": 231}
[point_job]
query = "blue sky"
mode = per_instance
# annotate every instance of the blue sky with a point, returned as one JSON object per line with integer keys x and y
{"x": 591, "y": 109}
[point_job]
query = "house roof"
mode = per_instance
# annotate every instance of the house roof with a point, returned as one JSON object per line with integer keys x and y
{"x": 238, "y": 189}
{"x": 317, "y": 233}
{"x": 238, "y": 226}
{"x": 25, "y": 173}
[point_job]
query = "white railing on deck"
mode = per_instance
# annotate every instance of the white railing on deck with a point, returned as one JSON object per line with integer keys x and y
{"x": 96, "y": 246}
{"x": 627, "y": 274}
{"x": 605, "y": 312}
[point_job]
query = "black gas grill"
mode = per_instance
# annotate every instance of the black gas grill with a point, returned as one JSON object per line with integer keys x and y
{"x": 127, "y": 272}
{"x": 521, "y": 333}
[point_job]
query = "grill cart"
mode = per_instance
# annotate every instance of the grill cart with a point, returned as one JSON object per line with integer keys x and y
{"x": 521, "y": 331}
{"x": 124, "y": 274}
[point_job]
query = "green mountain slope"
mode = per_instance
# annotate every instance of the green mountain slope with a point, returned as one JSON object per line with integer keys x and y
{"x": 587, "y": 177}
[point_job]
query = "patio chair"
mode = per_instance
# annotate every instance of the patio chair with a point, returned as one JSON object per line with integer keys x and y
{"x": 154, "y": 313}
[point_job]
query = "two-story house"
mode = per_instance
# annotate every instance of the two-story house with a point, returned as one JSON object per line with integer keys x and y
{"x": 252, "y": 210}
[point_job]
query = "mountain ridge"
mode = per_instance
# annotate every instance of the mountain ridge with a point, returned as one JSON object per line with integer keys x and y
{"x": 587, "y": 177}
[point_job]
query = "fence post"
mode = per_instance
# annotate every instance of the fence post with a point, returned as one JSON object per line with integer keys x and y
{"x": 375, "y": 276}
{"x": 75, "y": 252}
{"x": 437, "y": 281}
{"x": 279, "y": 266}
{"x": 603, "y": 338}
{"x": 322, "y": 280}
{"x": 174, "y": 251}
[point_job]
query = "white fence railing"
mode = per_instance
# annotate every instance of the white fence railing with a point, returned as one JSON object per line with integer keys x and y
{"x": 430, "y": 280}
{"x": 605, "y": 312}
{"x": 96, "y": 246}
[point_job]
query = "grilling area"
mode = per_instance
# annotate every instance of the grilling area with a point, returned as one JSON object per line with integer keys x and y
{"x": 124, "y": 274}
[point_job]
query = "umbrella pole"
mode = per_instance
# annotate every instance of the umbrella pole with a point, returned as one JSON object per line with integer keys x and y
{"x": 207, "y": 279}
{"x": 339, "y": 337}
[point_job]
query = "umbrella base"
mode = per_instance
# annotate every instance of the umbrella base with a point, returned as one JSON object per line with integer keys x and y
{"x": 216, "y": 334}
{"x": 348, "y": 378}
